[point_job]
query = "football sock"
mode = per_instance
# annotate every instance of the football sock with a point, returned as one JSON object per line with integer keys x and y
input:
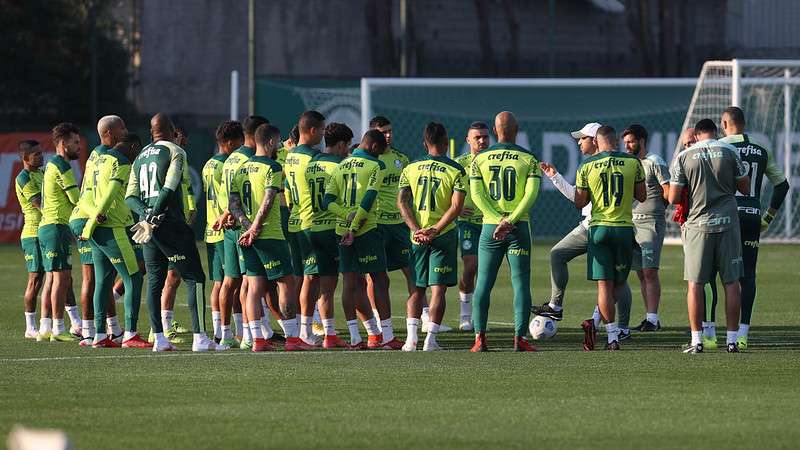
{"x": 30, "y": 321}
{"x": 166, "y": 318}
{"x": 255, "y": 329}
{"x": 282, "y": 324}
{"x": 377, "y": 319}
{"x": 330, "y": 327}
{"x": 99, "y": 337}
{"x": 697, "y": 337}
{"x": 433, "y": 330}
{"x": 555, "y": 307}
{"x": 45, "y": 325}
{"x": 730, "y": 337}
{"x": 743, "y": 329}
{"x": 87, "y": 328}
{"x": 74, "y": 317}
{"x": 225, "y": 331}
{"x": 266, "y": 329}
{"x": 710, "y": 330}
{"x": 198, "y": 338}
{"x": 412, "y": 325}
{"x": 305, "y": 327}
{"x": 371, "y": 326}
{"x": 426, "y": 317}
{"x": 386, "y": 329}
{"x": 246, "y": 337}
{"x": 612, "y": 330}
{"x": 290, "y": 327}
{"x": 652, "y": 318}
{"x": 596, "y": 317}
{"x": 58, "y": 326}
{"x": 352, "y": 327}
{"x": 237, "y": 320}
{"x": 315, "y": 317}
{"x": 128, "y": 335}
{"x": 216, "y": 319}
{"x": 113, "y": 324}
{"x": 466, "y": 305}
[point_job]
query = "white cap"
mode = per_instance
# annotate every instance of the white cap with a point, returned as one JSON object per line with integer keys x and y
{"x": 590, "y": 130}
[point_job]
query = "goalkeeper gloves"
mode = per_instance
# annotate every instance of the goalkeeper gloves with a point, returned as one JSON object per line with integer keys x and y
{"x": 154, "y": 220}
{"x": 766, "y": 220}
{"x": 142, "y": 232}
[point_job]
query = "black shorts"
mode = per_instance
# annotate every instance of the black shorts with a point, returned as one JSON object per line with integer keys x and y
{"x": 173, "y": 242}
{"x": 750, "y": 226}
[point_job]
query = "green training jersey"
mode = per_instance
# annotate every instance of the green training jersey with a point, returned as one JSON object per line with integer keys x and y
{"x": 395, "y": 161}
{"x": 504, "y": 182}
{"x": 610, "y": 178}
{"x": 318, "y": 176}
{"x": 60, "y": 192}
{"x": 81, "y": 210}
{"x": 229, "y": 168}
{"x": 476, "y": 216}
{"x": 353, "y": 187}
{"x": 28, "y": 185}
{"x": 301, "y": 217}
{"x": 212, "y": 181}
{"x": 758, "y": 162}
{"x": 257, "y": 176}
{"x": 160, "y": 165}
{"x": 112, "y": 172}
{"x": 432, "y": 181}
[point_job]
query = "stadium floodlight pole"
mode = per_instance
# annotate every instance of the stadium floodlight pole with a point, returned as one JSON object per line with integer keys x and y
{"x": 403, "y": 38}
{"x": 234, "y": 94}
{"x": 735, "y": 83}
{"x": 366, "y": 105}
{"x": 251, "y": 57}
{"x": 787, "y": 150}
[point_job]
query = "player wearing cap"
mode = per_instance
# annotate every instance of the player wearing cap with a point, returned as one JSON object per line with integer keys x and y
{"x": 649, "y": 222}
{"x": 574, "y": 244}
{"x": 609, "y": 180}
{"x": 504, "y": 182}
{"x": 469, "y": 227}
{"x": 758, "y": 162}
{"x": 713, "y": 172}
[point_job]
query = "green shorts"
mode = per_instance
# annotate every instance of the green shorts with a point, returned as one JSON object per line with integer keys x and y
{"x": 707, "y": 253}
{"x": 469, "y": 234}
{"x": 216, "y": 260}
{"x": 233, "y": 262}
{"x": 267, "y": 258}
{"x": 284, "y": 219}
{"x": 84, "y": 247}
{"x": 326, "y": 251}
{"x": 649, "y": 234}
{"x": 365, "y": 255}
{"x": 114, "y": 245}
{"x": 296, "y": 255}
{"x": 437, "y": 262}
{"x": 396, "y": 244}
{"x": 609, "y": 253}
{"x": 33, "y": 254}
{"x": 54, "y": 242}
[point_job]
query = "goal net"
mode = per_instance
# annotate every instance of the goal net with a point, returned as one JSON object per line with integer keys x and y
{"x": 767, "y": 91}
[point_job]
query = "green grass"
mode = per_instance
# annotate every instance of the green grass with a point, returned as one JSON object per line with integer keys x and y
{"x": 648, "y": 395}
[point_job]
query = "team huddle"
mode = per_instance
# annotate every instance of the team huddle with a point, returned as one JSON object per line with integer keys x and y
{"x": 286, "y": 217}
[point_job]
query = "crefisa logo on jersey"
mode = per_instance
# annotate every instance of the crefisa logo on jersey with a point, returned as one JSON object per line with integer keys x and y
{"x": 749, "y": 150}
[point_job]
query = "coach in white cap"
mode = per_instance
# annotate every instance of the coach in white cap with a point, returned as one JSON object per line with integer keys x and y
{"x": 575, "y": 244}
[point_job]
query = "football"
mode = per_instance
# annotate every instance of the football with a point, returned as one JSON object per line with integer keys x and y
{"x": 542, "y": 327}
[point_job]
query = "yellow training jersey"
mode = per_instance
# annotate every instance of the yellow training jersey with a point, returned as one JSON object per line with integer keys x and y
{"x": 318, "y": 176}
{"x": 107, "y": 198}
{"x": 229, "y": 168}
{"x": 60, "y": 192}
{"x": 395, "y": 162}
{"x": 476, "y": 216}
{"x": 258, "y": 175}
{"x": 610, "y": 178}
{"x": 212, "y": 185}
{"x": 504, "y": 182}
{"x": 353, "y": 187}
{"x": 297, "y": 160}
{"x": 432, "y": 181}
{"x": 81, "y": 210}
{"x": 28, "y": 185}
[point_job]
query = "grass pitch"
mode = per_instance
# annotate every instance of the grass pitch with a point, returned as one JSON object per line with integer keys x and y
{"x": 647, "y": 396}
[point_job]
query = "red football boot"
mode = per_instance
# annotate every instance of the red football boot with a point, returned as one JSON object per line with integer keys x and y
{"x": 375, "y": 342}
{"x": 295, "y": 344}
{"x": 480, "y": 344}
{"x": 105, "y": 343}
{"x": 334, "y": 341}
{"x": 589, "y": 334}
{"x": 394, "y": 344}
{"x": 360, "y": 346}
{"x": 522, "y": 345}
{"x": 262, "y": 345}
{"x": 136, "y": 342}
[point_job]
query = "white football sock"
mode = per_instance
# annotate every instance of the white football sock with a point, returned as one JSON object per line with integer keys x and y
{"x": 290, "y": 328}
{"x": 652, "y": 318}
{"x": 87, "y": 328}
{"x": 710, "y": 330}
{"x": 377, "y": 318}
{"x": 74, "y": 317}
{"x": 266, "y": 328}
{"x": 226, "y": 332}
{"x": 166, "y": 318}
{"x": 697, "y": 337}
{"x": 730, "y": 337}
{"x": 412, "y": 325}
{"x": 596, "y": 317}
{"x": 330, "y": 327}
{"x": 198, "y": 338}
{"x": 612, "y": 330}
{"x": 305, "y": 327}
{"x": 246, "y": 337}
{"x": 352, "y": 327}
{"x": 282, "y": 324}
{"x": 426, "y": 314}
{"x": 743, "y": 329}
{"x": 239, "y": 322}
{"x": 386, "y": 329}
{"x": 113, "y": 324}
{"x": 128, "y": 335}
{"x": 216, "y": 319}
{"x": 255, "y": 329}
{"x": 58, "y": 326}
{"x": 45, "y": 325}
{"x": 30, "y": 321}
{"x": 371, "y": 326}
{"x": 555, "y": 307}
{"x": 466, "y": 304}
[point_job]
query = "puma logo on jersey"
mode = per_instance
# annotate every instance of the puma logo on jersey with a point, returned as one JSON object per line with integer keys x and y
{"x": 503, "y": 156}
